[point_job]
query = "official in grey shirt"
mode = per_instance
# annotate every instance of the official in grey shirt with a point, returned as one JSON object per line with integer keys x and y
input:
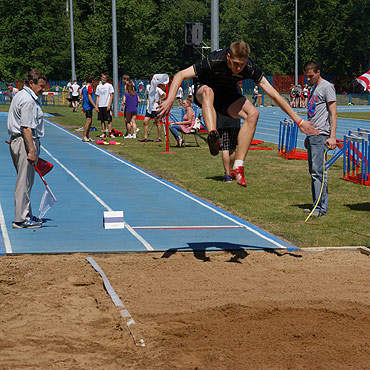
{"x": 322, "y": 111}
{"x": 26, "y": 127}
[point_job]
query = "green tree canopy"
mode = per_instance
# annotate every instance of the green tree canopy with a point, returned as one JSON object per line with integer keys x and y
{"x": 150, "y": 33}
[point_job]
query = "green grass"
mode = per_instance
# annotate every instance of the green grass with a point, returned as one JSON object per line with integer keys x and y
{"x": 355, "y": 115}
{"x": 277, "y": 191}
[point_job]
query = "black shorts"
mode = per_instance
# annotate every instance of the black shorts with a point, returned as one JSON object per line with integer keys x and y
{"x": 151, "y": 115}
{"x": 224, "y": 97}
{"x": 75, "y": 98}
{"x": 228, "y": 138}
{"x": 88, "y": 113}
{"x": 104, "y": 114}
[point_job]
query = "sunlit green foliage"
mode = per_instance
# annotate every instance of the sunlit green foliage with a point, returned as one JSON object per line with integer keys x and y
{"x": 36, "y": 34}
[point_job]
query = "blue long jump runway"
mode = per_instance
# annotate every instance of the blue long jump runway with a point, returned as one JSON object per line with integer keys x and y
{"x": 88, "y": 180}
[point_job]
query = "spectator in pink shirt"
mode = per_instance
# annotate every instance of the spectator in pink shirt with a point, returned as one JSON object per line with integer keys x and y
{"x": 186, "y": 125}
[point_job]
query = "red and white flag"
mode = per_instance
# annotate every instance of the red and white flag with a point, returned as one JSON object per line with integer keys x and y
{"x": 364, "y": 80}
{"x": 47, "y": 201}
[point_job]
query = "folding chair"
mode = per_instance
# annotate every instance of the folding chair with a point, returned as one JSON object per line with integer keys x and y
{"x": 194, "y": 131}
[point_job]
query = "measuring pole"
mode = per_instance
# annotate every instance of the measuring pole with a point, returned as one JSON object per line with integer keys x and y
{"x": 167, "y": 129}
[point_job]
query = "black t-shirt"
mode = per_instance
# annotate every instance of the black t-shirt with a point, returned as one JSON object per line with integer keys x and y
{"x": 214, "y": 72}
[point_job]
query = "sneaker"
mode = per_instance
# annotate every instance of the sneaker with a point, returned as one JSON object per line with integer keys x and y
{"x": 213, "y": 141}
{"x": 27, "y": 224}
{"x": 128, "y": 136}
{"x": 238, "y": 175}
{"x": 227, "y": 178}
{"x": 91, "y": 140}
{"x": 36, "y": 219}
{"x": 103, "y": 135}
{"x": 133, "y": 136}
{"x": 111, "y": 134}
{"x": 143, "y": 140}
{"x": 315, "y": 213}
{"x": 158, "y": 140}
{"x": 85, "y": 139}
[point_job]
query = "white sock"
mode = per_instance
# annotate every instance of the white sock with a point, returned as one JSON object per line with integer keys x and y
{"x": 238, "y": 163}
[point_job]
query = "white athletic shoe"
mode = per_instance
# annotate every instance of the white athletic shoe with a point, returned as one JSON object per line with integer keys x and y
{"x": 128, "y": 136}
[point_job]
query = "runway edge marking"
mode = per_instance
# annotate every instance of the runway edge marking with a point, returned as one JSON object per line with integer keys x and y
{"x": 4, "y": 232}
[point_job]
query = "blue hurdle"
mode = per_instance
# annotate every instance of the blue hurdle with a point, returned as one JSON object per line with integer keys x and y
{"x": 288, "y": 137}
{"x": 356, "y": 158}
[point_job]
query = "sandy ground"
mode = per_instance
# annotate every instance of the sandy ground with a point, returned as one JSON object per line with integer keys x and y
{"x": 195, "y": 311}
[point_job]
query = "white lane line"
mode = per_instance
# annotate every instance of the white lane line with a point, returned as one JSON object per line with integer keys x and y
{"x": 256, "y": 232}
{"x": 138, "y": 237}
{"x": 128, "y": 227}
{"x": 4, "y": 231}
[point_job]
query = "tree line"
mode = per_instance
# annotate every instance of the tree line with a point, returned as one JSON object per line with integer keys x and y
{"x": 150, "y": 34}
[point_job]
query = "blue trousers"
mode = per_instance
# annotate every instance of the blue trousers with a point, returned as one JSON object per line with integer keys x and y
{"x": 174, "y": 128}
{"x": 315, "y": 152}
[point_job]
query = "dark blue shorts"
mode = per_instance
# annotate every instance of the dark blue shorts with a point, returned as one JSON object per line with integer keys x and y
{"x": 88, "y": 113}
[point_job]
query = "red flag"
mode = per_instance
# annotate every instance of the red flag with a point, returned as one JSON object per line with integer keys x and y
{"x": 44, "y": 166}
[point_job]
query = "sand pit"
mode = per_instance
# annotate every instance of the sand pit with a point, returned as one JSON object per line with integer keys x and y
{"x": 242, "y": 310}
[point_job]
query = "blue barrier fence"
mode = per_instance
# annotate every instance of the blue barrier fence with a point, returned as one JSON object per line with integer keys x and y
{"x": 58, "y": 94}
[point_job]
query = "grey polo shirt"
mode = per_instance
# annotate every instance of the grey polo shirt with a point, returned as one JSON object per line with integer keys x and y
{"x": 25, "y": 111}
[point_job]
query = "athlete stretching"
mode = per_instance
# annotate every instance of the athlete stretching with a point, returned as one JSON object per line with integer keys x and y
{"x": 217, "y": 78}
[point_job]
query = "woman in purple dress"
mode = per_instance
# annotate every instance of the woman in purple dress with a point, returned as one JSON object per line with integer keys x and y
{"x": 130, "y": 101}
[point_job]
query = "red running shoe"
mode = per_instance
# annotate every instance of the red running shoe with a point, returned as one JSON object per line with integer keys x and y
{"x": 238, "y": 175}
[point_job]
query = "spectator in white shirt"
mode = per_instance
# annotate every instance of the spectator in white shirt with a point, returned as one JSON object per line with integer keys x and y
{"x": 179, "y": 96}
{"x": 104, "y": 97}
{"x": 75, "y": 91}
{"x": 11, "y": 91}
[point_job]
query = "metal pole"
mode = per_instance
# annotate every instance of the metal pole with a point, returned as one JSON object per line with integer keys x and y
{"x": 115, "y": 66}
{"x": 214, "y": 25}
{"x": 296, "y": 42}
{"x": 72, "y": 42}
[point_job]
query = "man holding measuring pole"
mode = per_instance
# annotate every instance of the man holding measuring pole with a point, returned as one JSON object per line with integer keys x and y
{"x": 216, "y": 90}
